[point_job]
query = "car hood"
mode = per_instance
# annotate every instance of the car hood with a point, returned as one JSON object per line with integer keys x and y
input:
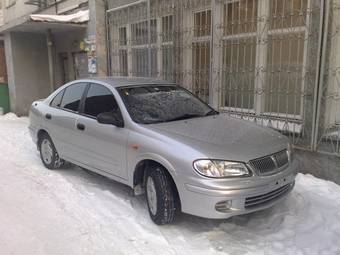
{"x": 223, "y": 137}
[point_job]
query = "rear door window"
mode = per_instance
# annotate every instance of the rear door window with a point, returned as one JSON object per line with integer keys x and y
{"x": 72, "y": 97}
{"x": 99, "y": 99}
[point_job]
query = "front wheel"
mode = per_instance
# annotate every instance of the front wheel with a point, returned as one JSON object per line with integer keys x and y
{"x": 48, "y": 153}
{"x": 160, "y": 196}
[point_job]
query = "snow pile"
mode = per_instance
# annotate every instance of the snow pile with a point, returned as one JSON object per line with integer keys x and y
{"x": 9, "y": 116}
{"x": 73, "y": 211}
{"x": 306, "y": 223}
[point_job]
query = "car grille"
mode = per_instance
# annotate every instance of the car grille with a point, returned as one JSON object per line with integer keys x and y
{"x": 261, "y": 200}
{"x": 271, "y": 164}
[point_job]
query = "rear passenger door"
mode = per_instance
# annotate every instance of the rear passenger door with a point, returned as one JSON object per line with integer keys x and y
{"x": 61, "y": 118}
{"x": 103, "y": 145}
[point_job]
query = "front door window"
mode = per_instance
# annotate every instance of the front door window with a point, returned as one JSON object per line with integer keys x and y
{"x": 99, "y": 99}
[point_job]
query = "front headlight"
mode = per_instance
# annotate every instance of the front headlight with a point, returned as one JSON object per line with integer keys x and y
{"x": 220, "y": 168}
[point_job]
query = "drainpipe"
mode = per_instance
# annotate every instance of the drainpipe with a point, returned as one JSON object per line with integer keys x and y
{"x": 108, "y": 45}
{"x": 50, "y": 58}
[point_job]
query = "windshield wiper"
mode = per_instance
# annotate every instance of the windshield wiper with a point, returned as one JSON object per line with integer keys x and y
{"x": 185, "y": 116}
{"x": 212, "y": 112}
{"x": 192, "y": 115}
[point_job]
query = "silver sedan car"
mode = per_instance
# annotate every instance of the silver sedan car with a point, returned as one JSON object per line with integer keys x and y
{"x": 161, "y": 140}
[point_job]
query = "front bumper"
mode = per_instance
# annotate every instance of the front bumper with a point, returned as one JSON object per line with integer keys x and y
{"x": 207, "y": 202}
{"x": 33, "y": 134}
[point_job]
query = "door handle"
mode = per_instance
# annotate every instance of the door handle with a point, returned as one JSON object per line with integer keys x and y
{"x": 48, "y": 116}
{"x": 81, "y": 126}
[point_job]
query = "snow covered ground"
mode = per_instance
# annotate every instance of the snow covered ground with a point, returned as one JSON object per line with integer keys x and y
{"x": 72, "y": 211}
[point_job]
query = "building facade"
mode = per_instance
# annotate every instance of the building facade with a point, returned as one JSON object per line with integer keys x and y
{"x": 274, "y": 62}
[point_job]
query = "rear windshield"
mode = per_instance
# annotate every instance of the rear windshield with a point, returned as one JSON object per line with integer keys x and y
{"x": 162, "y": 103}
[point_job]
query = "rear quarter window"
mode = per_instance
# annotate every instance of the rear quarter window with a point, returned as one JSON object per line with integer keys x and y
{"x": 72, "y": 97}
{"x": 56, "y": 101}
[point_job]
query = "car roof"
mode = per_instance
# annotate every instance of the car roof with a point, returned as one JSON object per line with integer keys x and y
{"x": 129, "y": 81}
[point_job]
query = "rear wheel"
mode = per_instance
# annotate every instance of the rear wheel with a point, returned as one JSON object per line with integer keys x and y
{"x": 48, "y": 154}
{"x": 160, "y": 196}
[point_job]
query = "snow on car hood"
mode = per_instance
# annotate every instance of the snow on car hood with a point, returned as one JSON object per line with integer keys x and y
{"x": 221, "y": 136}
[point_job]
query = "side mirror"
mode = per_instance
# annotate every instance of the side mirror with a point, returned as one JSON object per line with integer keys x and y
{"x": 112, "y": 118}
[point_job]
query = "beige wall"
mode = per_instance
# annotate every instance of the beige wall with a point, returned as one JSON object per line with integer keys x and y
{"x": 27, "y": 65}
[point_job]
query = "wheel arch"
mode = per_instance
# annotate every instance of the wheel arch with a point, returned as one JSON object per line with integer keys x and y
{"x": 141, "y": 167}
{"x": 40, "y": 133}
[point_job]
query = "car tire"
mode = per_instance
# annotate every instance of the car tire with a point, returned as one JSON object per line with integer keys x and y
{"x": 160, "y": 196}
{"x": 48, "y": 153}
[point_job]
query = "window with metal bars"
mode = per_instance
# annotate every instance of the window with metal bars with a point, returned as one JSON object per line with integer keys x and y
{"x": 139, "y": 32}
{"x": 122, "y": 36}
{"x": 167, "y": 28}
{"x": 167, "y": 50}
{"x": 123, "y": 51}
{"x": 201, "y": 54}
{"x": 264, "y": 52}
{"x": 140, "y": 48}
{"x": 123, "y": 62}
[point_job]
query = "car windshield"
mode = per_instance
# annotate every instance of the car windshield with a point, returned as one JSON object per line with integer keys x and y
{"x": 162, "y": 103}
